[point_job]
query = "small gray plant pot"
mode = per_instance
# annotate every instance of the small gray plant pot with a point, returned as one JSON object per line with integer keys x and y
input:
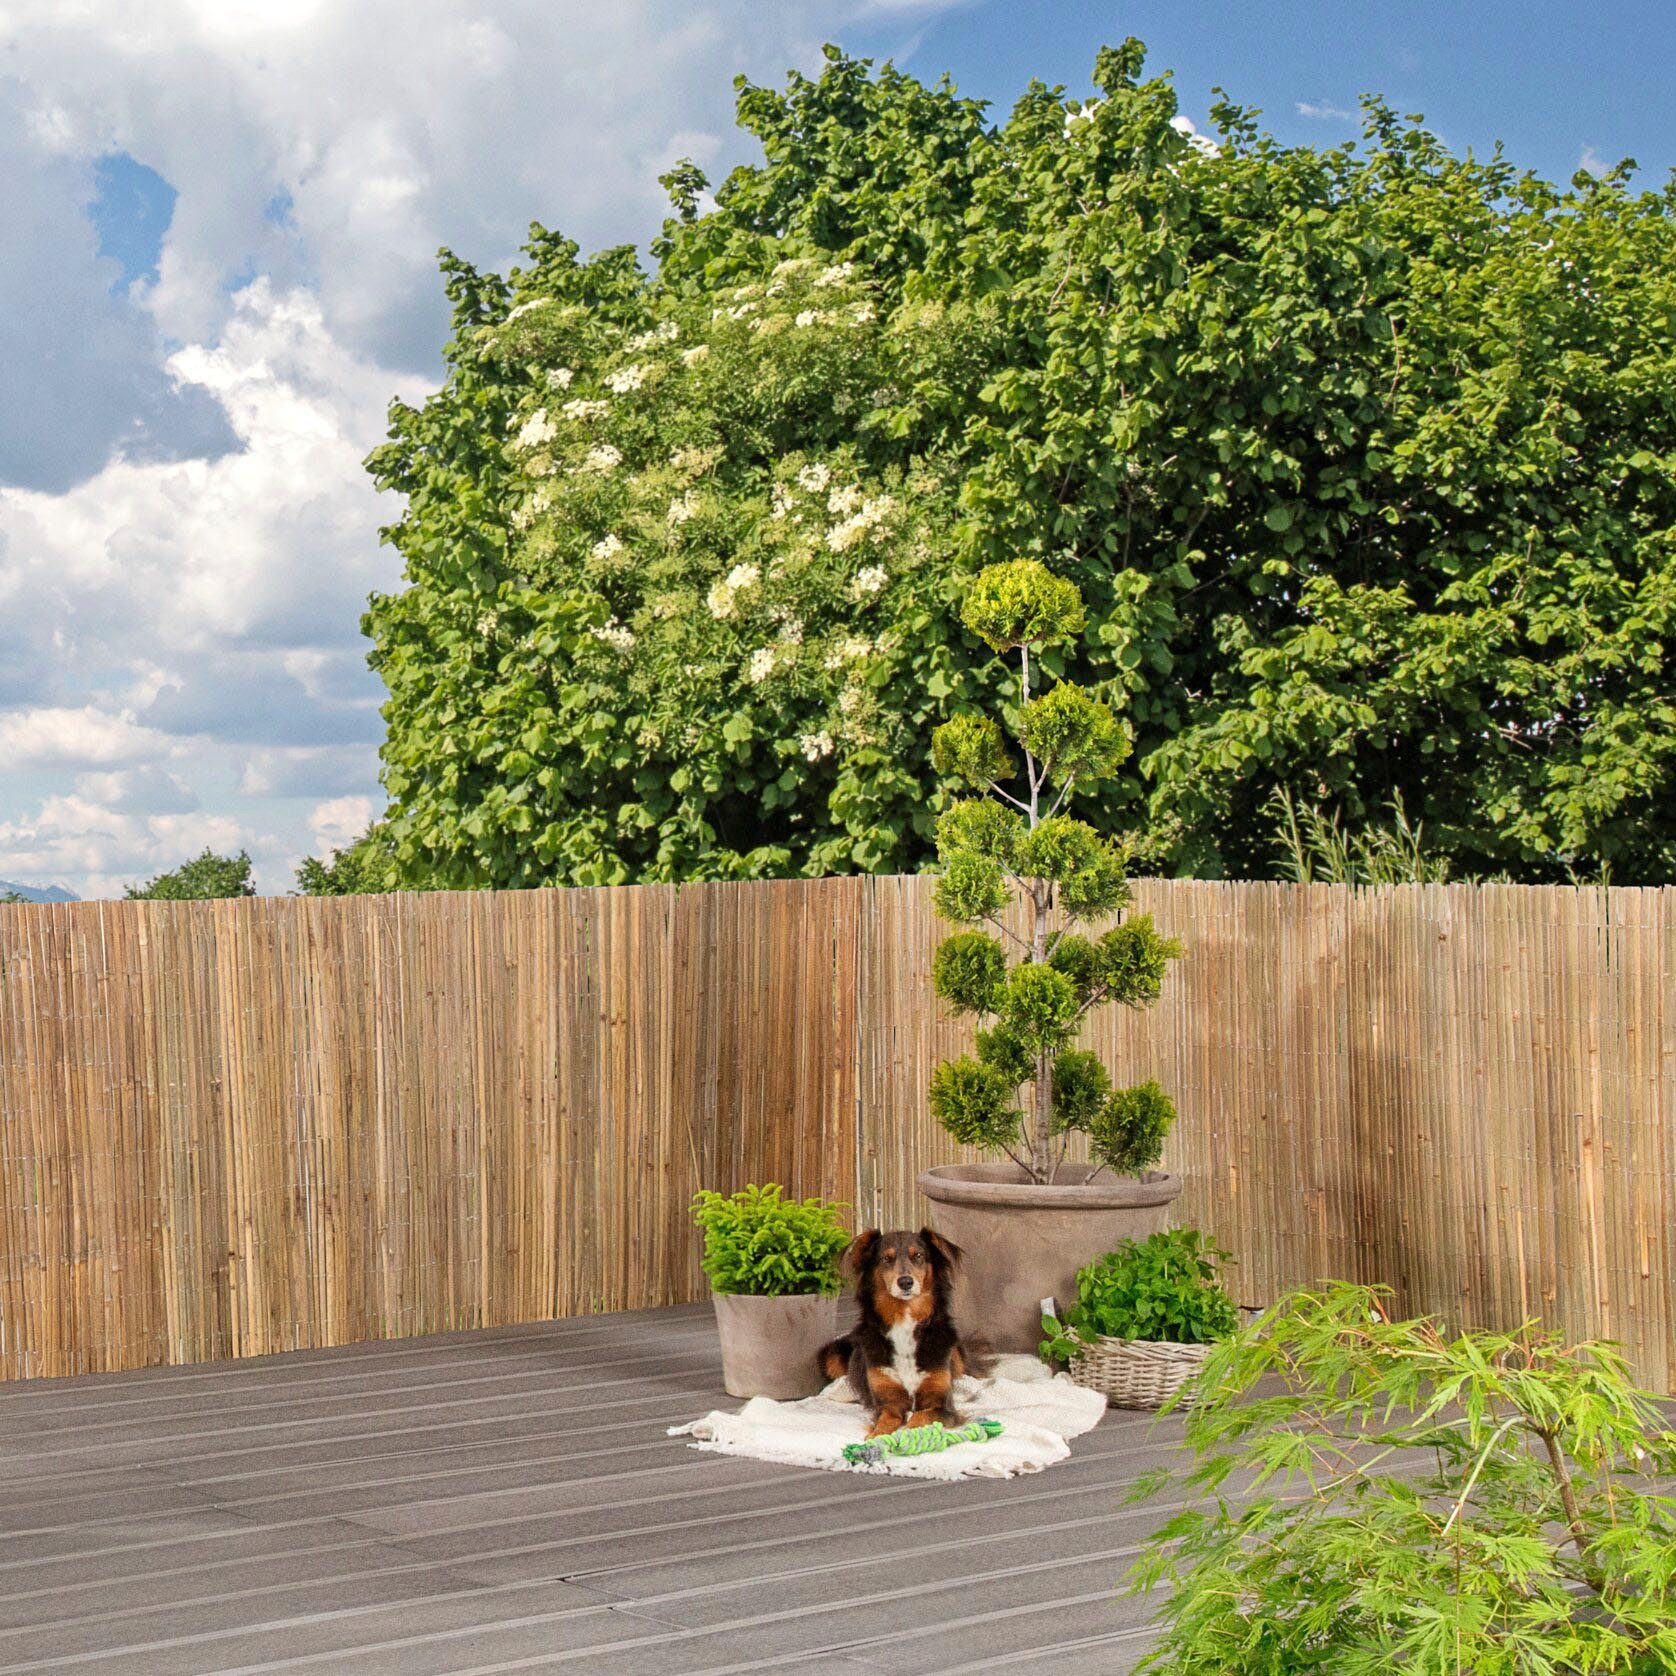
{"x": 769, "y": 1344}
{"x": 1024, "y": 1242}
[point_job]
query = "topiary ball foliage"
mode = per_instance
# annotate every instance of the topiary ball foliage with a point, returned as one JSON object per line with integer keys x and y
{"x": 1010, "y": 847}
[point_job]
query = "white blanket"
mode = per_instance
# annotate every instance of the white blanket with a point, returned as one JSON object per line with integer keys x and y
{"x": 1039, "y": 1410}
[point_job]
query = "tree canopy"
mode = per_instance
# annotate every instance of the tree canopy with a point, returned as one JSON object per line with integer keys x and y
{"x": 1360, "y": 457}
{"x": 203, "y": 878}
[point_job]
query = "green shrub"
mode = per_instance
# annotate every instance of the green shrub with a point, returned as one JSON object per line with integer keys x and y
{"x": 1165, "y": 1287}
{"x": 1483, "y": 1504}
{"x": 759, "y": 1243}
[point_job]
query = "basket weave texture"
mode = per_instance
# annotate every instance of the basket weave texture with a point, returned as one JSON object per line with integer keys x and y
{"x": 1137, "y": 1373}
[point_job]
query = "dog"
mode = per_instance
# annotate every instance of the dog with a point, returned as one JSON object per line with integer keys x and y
{"x": 904, "y": 1353}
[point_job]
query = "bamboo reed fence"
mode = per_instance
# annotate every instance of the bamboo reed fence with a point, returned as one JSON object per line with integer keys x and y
{"x": 239, "y": 1127}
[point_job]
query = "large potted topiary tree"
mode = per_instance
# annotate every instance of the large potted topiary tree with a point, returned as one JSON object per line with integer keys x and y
{"x": 1029, "y": 1221}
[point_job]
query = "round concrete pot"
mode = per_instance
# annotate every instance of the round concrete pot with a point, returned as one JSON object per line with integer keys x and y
{"x": 1025, "y": 1242}
{"x": 769, "y": 1344}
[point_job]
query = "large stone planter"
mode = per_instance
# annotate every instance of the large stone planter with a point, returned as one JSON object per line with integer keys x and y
{"x": 1025, "y": 1242}
{"x": 769, "y": 1344}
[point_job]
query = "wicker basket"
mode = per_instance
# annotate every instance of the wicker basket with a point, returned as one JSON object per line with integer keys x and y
{"x": 1136, "y": 1373}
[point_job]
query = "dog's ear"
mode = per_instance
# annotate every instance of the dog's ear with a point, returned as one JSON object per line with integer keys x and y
{"x": 942, "y": 1246}
{"x": 858, "y": 1254}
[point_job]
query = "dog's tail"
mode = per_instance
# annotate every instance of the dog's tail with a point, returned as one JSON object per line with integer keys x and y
{"x": 978, "y": 1354}
{"x": 834, "y": 1359}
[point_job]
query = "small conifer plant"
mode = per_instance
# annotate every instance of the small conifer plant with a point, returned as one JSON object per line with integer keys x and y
{"x": 1029, "y": 982}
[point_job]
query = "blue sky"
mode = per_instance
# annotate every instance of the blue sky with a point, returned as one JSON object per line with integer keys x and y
{"x": 222, "y": 218}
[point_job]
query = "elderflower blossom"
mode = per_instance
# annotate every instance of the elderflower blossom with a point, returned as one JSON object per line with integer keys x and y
{"x": 844, "y": 499}
{"x": 814, "y": 478}
{"x": 808, "y": 316}
{"x": 559, "y": 377}
{"x": 833, "y": 276}
{"x": 696, "y": 460}
{"x": 625, "y": 379}
{"x": 863, "y": 314}
{"x": 682, "y": 508}
{"x": 816, "y": 745}
{"x": 737, "y": 581}
{"x": 869, "y": 581}
{"x": 761, "y": 665}
{"x": 791, "y": 265}
{"x": 849, "y": 650}
{"x": 537, "y": 429}
{"x": 666, "y": 333}
{"x": 523, "y": 308}
{"x": 603, "y": 458}
{"x": 488, "y": 623}
{"x": 608, "y": 547}
{"x": 614, "y": 634}
{"x": 581, "y": 409}
{"x": 867, "y": 521}
{"x": 697, "y": 353}
{"x": 791, "y": 631}
{"x": 782, "y": 502}
{"x": 850, "y": 700}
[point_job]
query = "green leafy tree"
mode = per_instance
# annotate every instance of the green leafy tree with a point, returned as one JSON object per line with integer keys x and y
{"x": 362, "y": 868}
{"x": 12, "y": 896}
{"x": 204, "y": 877}
{"x": 1493, "y": 1502}
{"x": 1362, "y": 459}
{"x": 1013, "y": 843}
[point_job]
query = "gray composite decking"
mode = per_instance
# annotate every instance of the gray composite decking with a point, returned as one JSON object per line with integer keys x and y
{"x": 508, "y": 1501}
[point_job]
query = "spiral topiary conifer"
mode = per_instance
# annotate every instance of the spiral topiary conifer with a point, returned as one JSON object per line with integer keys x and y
{"x": 1013, "y": 841}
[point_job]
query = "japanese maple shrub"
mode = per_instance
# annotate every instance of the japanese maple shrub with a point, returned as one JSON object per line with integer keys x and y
{"x": 1031, "y": 982}
{"x": 1420, "y": 1501}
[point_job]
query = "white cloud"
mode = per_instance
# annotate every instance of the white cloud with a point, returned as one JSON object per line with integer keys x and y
{"x": 1324, "y": 112}
{"x": 1592, "y": 162}
{"x": 55, "y": 737}
{"x": 340, "y": 820}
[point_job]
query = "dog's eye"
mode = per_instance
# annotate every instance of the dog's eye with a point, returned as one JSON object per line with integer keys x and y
{"x": 890, "y": 1256}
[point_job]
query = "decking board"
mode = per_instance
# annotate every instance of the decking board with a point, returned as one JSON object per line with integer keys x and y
{"x": 508, "y": 1500}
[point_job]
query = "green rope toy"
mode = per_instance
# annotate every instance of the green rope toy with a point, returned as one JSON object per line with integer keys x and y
{"x": 920, "y": 1440}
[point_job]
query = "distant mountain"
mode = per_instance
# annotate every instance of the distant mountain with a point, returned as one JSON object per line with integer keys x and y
{"x": 33, "y": 893}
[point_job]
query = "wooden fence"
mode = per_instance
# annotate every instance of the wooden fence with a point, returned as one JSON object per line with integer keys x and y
{"x": 238, "y": 1127}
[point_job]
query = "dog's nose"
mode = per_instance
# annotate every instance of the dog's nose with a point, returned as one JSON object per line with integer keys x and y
{"x": 906, "y": 1283}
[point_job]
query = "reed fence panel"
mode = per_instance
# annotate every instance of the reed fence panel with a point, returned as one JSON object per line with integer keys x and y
{"x": 238, "y": 1127}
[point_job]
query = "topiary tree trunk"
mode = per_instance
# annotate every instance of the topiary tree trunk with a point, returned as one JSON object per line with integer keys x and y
{"x": 1014, "y": 840}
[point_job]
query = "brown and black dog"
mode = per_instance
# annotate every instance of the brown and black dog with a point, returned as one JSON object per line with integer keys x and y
{"x": 904, "y": 1353}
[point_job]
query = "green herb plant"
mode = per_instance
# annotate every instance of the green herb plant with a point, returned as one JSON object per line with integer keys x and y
{"x": 762, "y": 1244}
{"x": 1014, "y": 843}
{"x": 1165, "y": 1288}
{"x": 1487, "y": 1503}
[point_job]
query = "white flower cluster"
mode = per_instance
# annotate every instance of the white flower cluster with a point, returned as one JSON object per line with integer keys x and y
{"x": 761, "y": 666}
{"x": 814, "y": 478}
{"x": 738, "y": 311}
{"x": 668, "y": 332}
{"x": 607, "y": 547}
{"x": 864, "y": 314}
{"x": 816, "y": 745}
{"x": 792, "y": 265}
{"x": 682, "y": 508}
{"x": 849, "y": 650}
{"x": 614, "y": 634}
{"x": 697, "y": 353}
{"x": 603, "y": 458}
{"x": 488, "y": 623}
{"x": 783, "y": 502}
{"x": 696, "y": 461}
{"x": 559, "y": 378}
{"x": 723, "y": 594}
{"x": 581, "y": 410}
{"x": 810, "y": 317}
{"x": 625, "y": 379}
{"x": 869, "y": 581}
{"x": 866, "y": 521}
{"x": 838, "y": 275}
{"x": 537, "y": 429}
{"x": 526, "y": 308}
